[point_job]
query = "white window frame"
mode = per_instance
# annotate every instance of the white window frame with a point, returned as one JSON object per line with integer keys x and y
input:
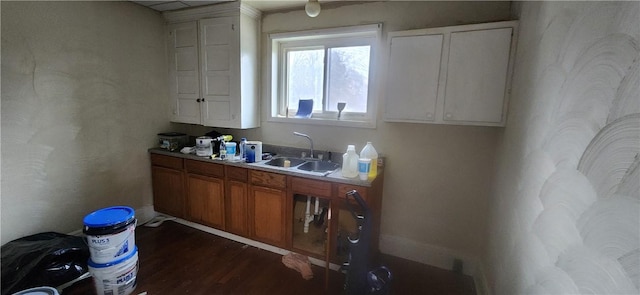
{"x": 333, "y": 37}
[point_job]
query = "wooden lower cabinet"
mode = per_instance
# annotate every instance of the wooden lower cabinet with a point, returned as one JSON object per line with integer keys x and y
{"x": 267, "y": 206}
{"x": 260, "y": 205}
{"x": 205, "y": 200}
{"x": 168, "y": 191}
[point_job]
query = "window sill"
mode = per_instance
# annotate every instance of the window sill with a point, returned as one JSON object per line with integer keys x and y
{"x": 324, "y": 122}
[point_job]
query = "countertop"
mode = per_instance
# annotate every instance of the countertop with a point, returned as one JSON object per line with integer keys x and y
{"x": 334, "y": 176}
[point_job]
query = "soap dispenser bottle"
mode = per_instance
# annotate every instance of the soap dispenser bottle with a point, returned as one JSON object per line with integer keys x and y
{"x": 350, "y": 162}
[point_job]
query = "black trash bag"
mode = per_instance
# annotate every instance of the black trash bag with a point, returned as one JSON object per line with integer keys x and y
{"x": 44, "y": 259}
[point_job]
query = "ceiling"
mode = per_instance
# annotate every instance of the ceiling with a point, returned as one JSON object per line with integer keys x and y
{"x": 263, "y": 5}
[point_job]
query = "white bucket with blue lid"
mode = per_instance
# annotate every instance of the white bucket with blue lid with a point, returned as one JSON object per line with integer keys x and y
{"x": 110, "y": 233}
{"x": 118, "y": 277}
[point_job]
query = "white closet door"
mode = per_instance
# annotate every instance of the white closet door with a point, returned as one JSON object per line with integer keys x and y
{"x": 219, "y": 50}
{"x": 414, "y": 70}
{"x": 477, "y": 75}
{"x": 182, "y": 44}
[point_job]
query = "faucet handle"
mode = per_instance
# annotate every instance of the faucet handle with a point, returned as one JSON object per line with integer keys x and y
{"x": 304, "y": 155}
{"x": 320, "y": 156}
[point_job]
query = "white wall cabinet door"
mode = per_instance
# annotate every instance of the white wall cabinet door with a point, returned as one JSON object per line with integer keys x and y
{"x": 213, "y": 65}
{"x": 414, "y": 57}
{"x": 219, "y": 54}
{"x": 477, "y": 76}
{"x": 451, "y": 75}
{"x": 184, "y": 78}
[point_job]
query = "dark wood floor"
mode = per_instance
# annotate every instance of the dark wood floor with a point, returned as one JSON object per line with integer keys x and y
{"x": 176, "y": 259}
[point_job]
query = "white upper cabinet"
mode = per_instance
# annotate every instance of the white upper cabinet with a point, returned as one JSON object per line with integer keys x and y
{"x": 418, "y": 57}
{"x": 451, "y": 75}
{"x": 213, "y": 66}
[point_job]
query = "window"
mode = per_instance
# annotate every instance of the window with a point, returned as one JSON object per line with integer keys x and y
{"x": 331, "y": 67}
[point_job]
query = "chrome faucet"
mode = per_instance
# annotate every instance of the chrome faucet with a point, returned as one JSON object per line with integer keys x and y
{"x": 309, "y": 138}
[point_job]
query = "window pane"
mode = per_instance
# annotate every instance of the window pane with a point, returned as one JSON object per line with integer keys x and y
{"x": 348, "y": 79}
{"x": 304, "y": 77}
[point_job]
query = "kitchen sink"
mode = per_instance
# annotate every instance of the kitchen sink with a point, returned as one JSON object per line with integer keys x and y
{"x": 309, "y": 165}
{"x": 319, "y": 166}
{"x": 279, "y": 162}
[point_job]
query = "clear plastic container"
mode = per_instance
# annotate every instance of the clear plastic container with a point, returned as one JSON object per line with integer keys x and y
{"x": 350, "y": 162}
{"x": 243, "y": 149}
{"x": 231, "y": 149}
{"x": 369, "y": 152}
{"x": 172, "y": 141}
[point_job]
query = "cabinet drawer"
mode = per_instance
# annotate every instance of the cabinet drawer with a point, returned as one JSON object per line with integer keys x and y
{"x": 268, "y": 179}
{"x": 166, "y": 161}
{"x": 311, "y": 187}
{"x": 237, "y": 173}
{"x": 204, "y": 168}
{"x": 343, "y": 189}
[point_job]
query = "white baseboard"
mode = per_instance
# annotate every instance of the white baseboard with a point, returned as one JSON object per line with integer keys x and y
{"x": 427, "y": 254}
{"x": 392, "y": 245}
{"x": 482, "y": 287}
{"x": 436, "y": 256}
{"x": 77, "y": 232}
{"x": 145, "y": 213}
{"x": 250, "y": 242}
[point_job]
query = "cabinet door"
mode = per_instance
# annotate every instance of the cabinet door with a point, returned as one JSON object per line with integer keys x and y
{"x": 414, "y": 72}
{"x": 267, "y": 209}
{"x": 219, "y": 57}
{"x": 237, "y": 206}
{"x": 168, "y": 191}
{"x": 184, "y": 79}
{"x": 205, "y": 200}
{"x": 477, "y": 75}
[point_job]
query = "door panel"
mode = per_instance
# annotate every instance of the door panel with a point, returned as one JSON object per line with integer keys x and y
{"x": 477, "y": 75}
{"x": 205, "y": 200}
{"x": 267, "y": 208}
{"x": 168, "y": 191}
{"x": 237, "y": 206}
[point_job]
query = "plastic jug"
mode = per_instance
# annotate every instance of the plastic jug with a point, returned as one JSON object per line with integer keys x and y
{"x": 369, "y": 152}
{"x": 350, "y": 162}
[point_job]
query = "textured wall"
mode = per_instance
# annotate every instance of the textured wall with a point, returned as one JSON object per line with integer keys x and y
{"x": 566, "y": 218}
{"x": 83, "y": 95}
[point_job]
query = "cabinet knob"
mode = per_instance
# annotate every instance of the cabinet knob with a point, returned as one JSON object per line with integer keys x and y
{"x": 429, "y": 115}
{"x": 448, "y": 115}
